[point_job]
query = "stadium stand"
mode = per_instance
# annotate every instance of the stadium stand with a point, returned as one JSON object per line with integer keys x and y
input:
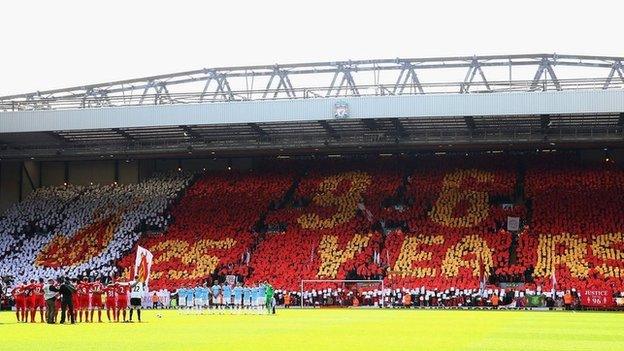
{"x": 434, "y": 222}
{"x": 326, "y": 231}
{"x": 213, "y": 227}
{"x": 456, "y": 223}
{"x": 576, "y": 224}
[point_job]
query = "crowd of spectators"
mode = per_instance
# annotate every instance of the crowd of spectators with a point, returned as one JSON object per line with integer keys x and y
{"x": 577, "y": 224}
{"x": 82, "y": 230}
{"x": 490, "y": 298}
{"x": 213, "y": 228}
{"x": 456, "y": 227}
{"x": 434, "y": 229}
{"x": 329, "y": 228}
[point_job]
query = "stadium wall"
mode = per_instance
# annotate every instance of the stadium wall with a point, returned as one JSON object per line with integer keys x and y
{"x": 9, "y": 184}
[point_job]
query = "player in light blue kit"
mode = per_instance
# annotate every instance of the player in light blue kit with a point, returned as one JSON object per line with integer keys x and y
{"x": 200, "y": 297}
{"x": 182, "y": 292}
{"x": 194, "y": 297}
{"x": 238, "y": 296}
{"x": 247, "y": 296}
{"x": 216, "y": 295}
{"x": 256, "y": 292}
{"x": 206, "y": 296}
{"x": 262, "y": 290}
{"x": 227, "y": 295}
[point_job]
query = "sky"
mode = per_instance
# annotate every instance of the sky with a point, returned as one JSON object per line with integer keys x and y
{"x": 56, "y": 44}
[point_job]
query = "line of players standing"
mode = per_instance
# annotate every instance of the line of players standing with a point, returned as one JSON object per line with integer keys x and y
{"x": 221, "y": 296}
{"x": 91, "y": 294}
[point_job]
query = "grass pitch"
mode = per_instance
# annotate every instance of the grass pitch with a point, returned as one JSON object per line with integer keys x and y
{"x": 330, "y": 329}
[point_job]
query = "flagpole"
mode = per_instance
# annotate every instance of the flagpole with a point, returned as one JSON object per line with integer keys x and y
{"x": 553, "y": 281}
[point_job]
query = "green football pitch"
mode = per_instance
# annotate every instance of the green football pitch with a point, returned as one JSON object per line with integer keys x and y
{"x": 329, "y": 329}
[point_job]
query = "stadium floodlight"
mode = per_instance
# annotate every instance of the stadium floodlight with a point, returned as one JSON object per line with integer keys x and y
{"x": 344, "y": 283}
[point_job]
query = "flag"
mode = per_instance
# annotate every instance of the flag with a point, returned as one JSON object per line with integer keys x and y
{"x": 143, "y": 264}
{"x": 554, "y": 283}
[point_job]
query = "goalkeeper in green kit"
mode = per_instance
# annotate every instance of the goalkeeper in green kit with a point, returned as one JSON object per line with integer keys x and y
{"x": 269, "y": 300}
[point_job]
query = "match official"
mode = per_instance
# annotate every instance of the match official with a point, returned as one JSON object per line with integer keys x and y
{"x": 137, "y": 290}
{"x": 67, "y": 305}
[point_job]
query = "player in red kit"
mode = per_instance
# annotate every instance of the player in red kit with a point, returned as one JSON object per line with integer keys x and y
{"x": 38, "y": 301}
{"x": 97, "y": 289}
{"x": 20, "y": 302}
{"x": 111, "y": 302}
{"x": 121, "y": 290}
{"x": 83, "y": 289}
{"x": 28, "y": 298}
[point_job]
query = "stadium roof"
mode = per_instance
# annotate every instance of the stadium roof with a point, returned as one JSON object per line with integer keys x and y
{"x": 447, "y": 102}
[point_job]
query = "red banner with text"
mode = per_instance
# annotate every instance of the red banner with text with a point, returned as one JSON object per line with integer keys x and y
{"x": 597, "y": 298}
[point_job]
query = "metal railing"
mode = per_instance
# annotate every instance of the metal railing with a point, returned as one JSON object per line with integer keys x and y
{"x": 441, "y": 75}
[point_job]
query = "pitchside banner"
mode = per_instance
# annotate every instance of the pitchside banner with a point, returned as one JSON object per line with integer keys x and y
{"x": 512, "y": 285}
{"x": 535, "y": 300}
{"x": 596, "y": 298}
